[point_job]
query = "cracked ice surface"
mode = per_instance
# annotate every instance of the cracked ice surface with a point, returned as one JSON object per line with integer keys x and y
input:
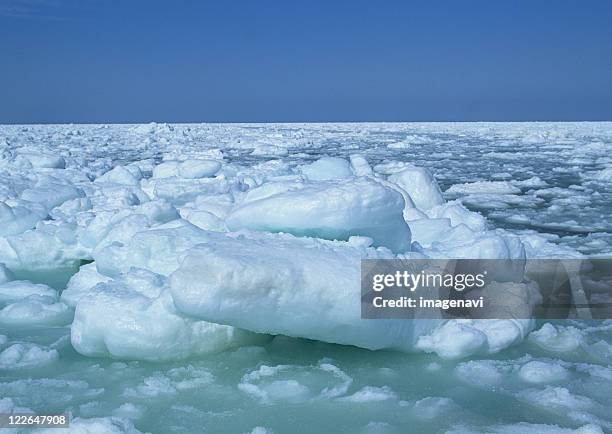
{"x": 167, "y": 277}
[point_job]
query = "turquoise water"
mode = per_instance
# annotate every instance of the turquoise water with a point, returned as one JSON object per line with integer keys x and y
{"x": 412, "y": 393}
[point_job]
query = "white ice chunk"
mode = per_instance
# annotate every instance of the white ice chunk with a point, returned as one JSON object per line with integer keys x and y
{"x": 70, "y": 209}
{"x": 51, "y": 194}
{"x": 541, "y": 372}
{"x": 117, "y": 196}
{"x": 461, "y": 338}
{"x": 26, "y": 356}
{"x": 166, "y": 169}
{"x": 295, "y": 384}
{"x": 48, "y": 248}
{"x": 533, "y": 182}
{"x": 370, "y": 394}
{"x": 158, "y": 211}
{"x": 360, "y": 165}
{"x": 121, "y": 175}
{"x": 280, "y": 284}
{"x": 81, "y": 283}
{"x": 159, "y": 250}
{"x": 218, "y": 204}
{"x": 190, "y": 169}
{"x": 205, "y": 220}
{"x": 420, "y": 184}
{"x": 18, "y": 290}
{"x": 432, "y": 407}
{"x": 556, "y": 398}
{"x": 427, "y": 231}
{"x": 182, "y": 190}
{"x": 453, "y": 340}
{"x": 458, "y": 214}
{"x": 35, "y": 312}
{"x": 171, "y": 382}
{"x": 17, "y": 219}
{"x": 327, "y": 168}
{"x": 480, "y": 373}
{"x": 135, "y": 318}
{"x": 483, "y": 246}
{"x": 557, "y": 339}
{"x": 198, "y": 168}
{"x": 329, "y": 210}
{"x": 123, "y": 230}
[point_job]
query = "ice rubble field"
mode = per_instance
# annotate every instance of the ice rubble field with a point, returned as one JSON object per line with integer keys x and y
{"x": 199, "y": 278}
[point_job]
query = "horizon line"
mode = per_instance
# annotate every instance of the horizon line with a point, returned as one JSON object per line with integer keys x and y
{"x": 305, "y": 122}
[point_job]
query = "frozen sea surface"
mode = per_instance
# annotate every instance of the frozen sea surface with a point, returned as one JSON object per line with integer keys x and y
{"x": 561, "y": 172}
{"x": 109, "y": 231}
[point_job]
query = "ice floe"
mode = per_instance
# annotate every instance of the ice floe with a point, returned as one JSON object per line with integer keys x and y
{"x": 22, "y": 356}
{"x": 135, "y": 318}
{"x": 327, "y": 209}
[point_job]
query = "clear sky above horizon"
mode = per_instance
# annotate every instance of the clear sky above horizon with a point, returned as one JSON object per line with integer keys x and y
{"x": 282, "y": 61}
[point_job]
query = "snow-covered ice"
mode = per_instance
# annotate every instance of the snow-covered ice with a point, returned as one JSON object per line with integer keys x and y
{"x": 329, "y": 210}
{"x": 134, "y": 317}
{"x": 267, "y": 283}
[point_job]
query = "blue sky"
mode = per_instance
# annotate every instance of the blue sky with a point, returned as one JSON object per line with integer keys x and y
{"x": 260, "y": 60}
